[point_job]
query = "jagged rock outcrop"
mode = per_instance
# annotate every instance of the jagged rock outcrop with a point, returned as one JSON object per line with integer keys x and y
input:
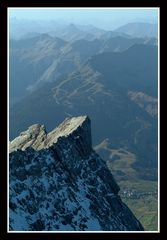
{"x": 59, "y": 183}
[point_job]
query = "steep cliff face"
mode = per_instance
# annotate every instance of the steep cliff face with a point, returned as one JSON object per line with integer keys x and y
{"x": 59, "y": 183}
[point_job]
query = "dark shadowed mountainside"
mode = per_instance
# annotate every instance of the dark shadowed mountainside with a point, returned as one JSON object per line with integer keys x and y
{"x": 58, "y": 182}
{"x": 104, "y": 88}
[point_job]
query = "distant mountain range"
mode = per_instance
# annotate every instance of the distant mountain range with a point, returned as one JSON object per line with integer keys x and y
{"x": 26, "y": 28}
{"x": 110, "y": 87}
{"x": 43, "y": 58}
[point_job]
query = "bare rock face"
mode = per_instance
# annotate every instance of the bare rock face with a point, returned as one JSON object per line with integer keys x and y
{"x": 37, "y": 138}
{"x": 33, "y": 137}
{"x": 59, "y": 183}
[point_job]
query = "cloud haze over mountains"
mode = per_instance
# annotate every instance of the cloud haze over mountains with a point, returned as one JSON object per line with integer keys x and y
{"x": 104, "y": 18}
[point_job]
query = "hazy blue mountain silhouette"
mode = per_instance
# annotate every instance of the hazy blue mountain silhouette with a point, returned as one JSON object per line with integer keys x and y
{"x": 43, "y": 58}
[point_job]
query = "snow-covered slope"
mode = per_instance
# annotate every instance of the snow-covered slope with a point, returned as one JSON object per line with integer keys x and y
{"x": 59, "y": 183}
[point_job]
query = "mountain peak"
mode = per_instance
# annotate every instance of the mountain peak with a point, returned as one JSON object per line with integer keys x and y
{"x": 68, "y": 126}
{"x": 37, "y": 138}
{"x": 32, "y": 137}
{"x": 65, "y": 186}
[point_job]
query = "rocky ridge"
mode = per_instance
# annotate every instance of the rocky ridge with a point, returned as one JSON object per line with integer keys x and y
{"x": 59, "y": 183}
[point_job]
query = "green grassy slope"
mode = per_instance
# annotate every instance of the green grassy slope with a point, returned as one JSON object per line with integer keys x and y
{"x": 146, "y": 211}
{"x": 140, "y": 195}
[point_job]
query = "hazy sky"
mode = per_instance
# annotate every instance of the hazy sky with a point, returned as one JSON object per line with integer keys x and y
{"x": 107, "y": 18}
